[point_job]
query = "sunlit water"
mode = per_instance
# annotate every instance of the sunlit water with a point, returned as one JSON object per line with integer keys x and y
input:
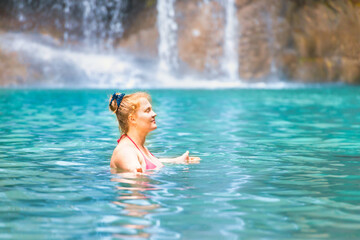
{"x": 276, "y": 164}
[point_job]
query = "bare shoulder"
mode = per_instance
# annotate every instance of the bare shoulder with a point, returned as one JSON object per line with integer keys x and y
{"x": 125, "y": 157}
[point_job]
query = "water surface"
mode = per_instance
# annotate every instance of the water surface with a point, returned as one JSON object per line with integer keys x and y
{"x": 276, "y": 164}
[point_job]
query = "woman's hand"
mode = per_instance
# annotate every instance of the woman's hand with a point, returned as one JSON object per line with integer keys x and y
{"x": 185, "y": 158}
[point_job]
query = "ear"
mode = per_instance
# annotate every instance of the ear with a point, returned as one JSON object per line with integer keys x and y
{"x": 132, "y": 119}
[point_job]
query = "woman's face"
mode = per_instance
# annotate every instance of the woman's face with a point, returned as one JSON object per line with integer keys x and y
{"x": 145, "y": 116}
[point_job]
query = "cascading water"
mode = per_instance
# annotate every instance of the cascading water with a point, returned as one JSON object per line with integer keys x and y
{"x": 167, "y": 27}
{"x": 115, "y": 28}
{"x": 271, "y": 42}
{"x": 86, "y": 54}
{"x": 20, "y": 7}
{"x": 96, "y": 23}
{"x": 230, "y": 62}
{"x": 89, "y": 20}
{"x": 67, "y": 24}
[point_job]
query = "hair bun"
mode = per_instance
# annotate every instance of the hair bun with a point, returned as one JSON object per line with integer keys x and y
{"x": 114, "y": 105}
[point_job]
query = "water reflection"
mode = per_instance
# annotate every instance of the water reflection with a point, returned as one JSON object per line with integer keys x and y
{"x": 136, "y": 204}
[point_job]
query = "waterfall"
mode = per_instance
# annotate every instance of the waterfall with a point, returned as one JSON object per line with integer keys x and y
{"x": 116, "y": 28}
{"x": 96, "y": 23}
{"x": 89, "y": 23}
{"x": 78, "y": 42}
{"x": 230, "y": 62}
{"x": 20, "y": 7}
{"x": 67, "y": 24}
{"x": 167, "y": 28}
{"x": 271, "y": 42}
{"x": 101, "y": 23}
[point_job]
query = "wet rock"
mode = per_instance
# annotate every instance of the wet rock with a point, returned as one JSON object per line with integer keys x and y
{"x": 350, "y": 70}
{"x": 325, "y": 37}
{"x": 141, "y": 37}
{"x": 200, "y": 34}
{"x": 12, "y": 71}
{"x": 255, "y": 48}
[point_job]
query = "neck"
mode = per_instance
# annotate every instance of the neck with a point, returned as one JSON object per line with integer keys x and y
{"x": 137, "y": 136}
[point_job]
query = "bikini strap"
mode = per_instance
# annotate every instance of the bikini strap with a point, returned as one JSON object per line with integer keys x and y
{"x": 120, "y": 138}
{"x": 151, "y": 153}
{"x": 135, "y": 145}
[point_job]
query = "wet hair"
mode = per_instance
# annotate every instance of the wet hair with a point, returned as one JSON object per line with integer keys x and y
{"x": 128, "y": 105}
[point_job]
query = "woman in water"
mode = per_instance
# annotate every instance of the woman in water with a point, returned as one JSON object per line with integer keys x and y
{"x": 136, "y": 119}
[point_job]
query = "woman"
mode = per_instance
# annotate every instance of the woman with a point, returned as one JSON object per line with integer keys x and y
{"x": 136, "y": 119}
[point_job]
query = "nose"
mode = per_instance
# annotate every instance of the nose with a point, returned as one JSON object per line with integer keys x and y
{"x": 154, "y": 114}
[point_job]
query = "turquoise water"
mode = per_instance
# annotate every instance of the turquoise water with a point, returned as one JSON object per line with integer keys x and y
{"x": 276, "y": 164}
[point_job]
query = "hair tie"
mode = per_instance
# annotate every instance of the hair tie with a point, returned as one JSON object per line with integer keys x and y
{"x": 112, "y": 99}
{"x": 118, "y": 99}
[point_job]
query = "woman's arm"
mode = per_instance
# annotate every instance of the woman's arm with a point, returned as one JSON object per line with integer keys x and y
{"x": 127, "y": 160}
{"x": 182, "y": 159}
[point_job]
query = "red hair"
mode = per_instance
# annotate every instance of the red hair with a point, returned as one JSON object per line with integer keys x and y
{"x": 129, "y": 105}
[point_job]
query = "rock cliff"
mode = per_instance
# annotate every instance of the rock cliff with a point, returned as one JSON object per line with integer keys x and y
{"x": 300, "y": 40}
{"x": 295, "y": 40}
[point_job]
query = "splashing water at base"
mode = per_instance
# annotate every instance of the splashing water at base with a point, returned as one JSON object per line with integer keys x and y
{"x": 56, "y": 65}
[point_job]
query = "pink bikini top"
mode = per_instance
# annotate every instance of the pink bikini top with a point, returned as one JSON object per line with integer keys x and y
{"x": 149, "y": 164}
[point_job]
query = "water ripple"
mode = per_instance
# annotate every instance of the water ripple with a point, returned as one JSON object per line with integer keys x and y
{"x": 276, "y": 164}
